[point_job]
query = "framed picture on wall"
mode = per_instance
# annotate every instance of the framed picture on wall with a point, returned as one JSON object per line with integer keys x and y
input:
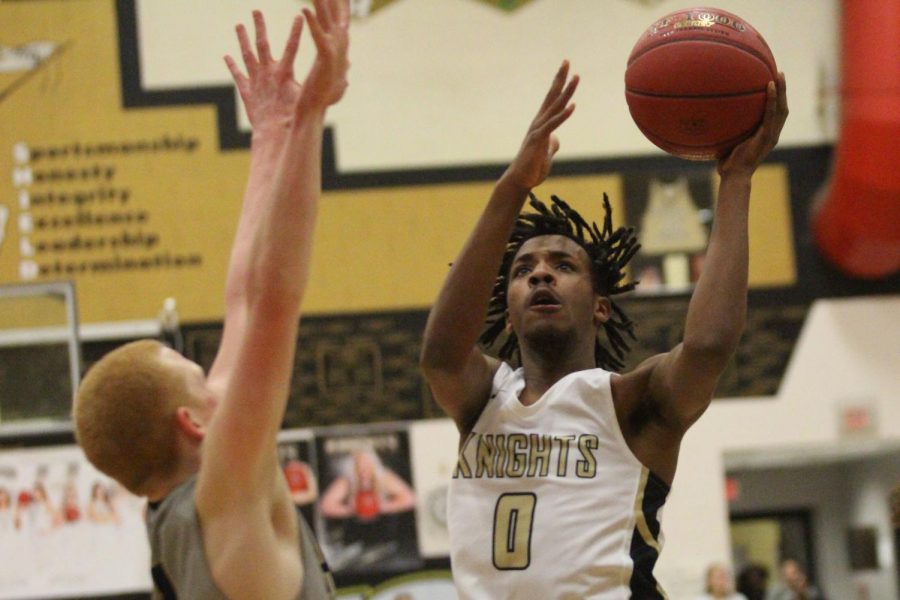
{"x": 366, "y": 511}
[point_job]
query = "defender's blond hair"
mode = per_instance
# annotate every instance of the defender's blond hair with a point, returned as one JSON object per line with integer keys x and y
{"x": 124, "y": 414}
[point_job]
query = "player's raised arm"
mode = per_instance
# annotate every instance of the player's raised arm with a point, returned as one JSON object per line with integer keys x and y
{"x": 269, "y": 93}
{"x": 681, "y": 382}
{"x": 458, "y": 373}
{"x": 238, "y": 454}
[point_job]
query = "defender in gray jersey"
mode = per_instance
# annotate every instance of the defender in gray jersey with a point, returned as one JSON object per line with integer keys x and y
{"x": 564, "y": 466}
{"x": 202, "y": 448}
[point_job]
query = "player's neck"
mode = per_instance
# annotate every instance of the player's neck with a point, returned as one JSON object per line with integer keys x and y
{"x": 542, "y": 369}
{"x": 161, "y": 487}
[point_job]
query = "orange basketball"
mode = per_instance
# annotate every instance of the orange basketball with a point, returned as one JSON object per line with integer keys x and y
{"x": 696, "y": 82}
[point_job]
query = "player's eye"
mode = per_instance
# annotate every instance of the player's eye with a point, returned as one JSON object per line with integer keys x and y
{"x": 566, "y": 266}
{"x": 521, "y": 270}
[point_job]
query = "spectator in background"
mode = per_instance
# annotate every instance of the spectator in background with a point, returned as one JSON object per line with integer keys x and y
{"x": 753, "y": 582}
{"x": 720, "y": 584}
{"x": 795, "y": 584}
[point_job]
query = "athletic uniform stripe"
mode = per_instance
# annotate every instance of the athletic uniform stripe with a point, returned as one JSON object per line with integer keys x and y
{"x": 645, "y": 542}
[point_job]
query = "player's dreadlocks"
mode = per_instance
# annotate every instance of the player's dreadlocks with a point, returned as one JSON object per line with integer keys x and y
{"x": 608, "y": 250}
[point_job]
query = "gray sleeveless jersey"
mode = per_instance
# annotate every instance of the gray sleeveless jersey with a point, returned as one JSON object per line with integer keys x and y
{"x": 180, "y": 569}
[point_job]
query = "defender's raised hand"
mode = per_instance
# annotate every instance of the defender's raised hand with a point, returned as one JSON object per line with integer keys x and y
{"x": 532, "y": 164}
{"x": 269, "y": 90}
{"x": 327, "y": 79}
{"x": 748, "y": 155}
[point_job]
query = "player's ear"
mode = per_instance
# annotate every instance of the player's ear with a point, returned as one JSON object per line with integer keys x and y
{"x": 189, "y": 423}
{"x": 602, "y": 310}
{"x": 509, "y": 326}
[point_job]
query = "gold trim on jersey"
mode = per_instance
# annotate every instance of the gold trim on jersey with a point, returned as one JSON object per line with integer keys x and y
{"x": 639, "y": 516}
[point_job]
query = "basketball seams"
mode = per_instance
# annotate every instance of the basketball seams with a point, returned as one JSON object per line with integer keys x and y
{"x": 725, "y": 42}
{"x": 695, "y": 96}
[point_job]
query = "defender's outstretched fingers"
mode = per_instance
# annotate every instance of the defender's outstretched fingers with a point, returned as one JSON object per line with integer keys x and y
{"x": 239, "y": 78}
{"x": 343, "y": 13}
{"x": 293, "y": 43}
{"x": 263, "y": 50}
{"x": 323, "y": 12}
{"x": 247, "y": 51}
{"x": 315, "y": 29}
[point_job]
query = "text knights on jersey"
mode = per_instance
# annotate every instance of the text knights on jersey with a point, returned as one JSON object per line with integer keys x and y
{"x": 526, "y": 455}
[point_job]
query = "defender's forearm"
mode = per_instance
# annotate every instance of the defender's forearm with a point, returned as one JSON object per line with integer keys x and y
{"x": 282, "y": 241}
{"x": 266, "y": 147}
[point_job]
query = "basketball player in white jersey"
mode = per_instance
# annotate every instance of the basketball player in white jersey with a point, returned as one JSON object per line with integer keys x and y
{"x": 202, "y": 449}
{"x": 564, "y": 466}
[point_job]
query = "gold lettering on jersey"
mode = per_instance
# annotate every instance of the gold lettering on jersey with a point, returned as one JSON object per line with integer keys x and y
{"x": 518, "y": 454}
{"x": 485, "y": 456}
{"x": 541, "y": 447}
{"x": 462, "y": 465}
{"x": 527, "y": 455}
{"x": 586, "y": 468}
{"x": 500, "y": 458}
{"x": 562, "y": 463}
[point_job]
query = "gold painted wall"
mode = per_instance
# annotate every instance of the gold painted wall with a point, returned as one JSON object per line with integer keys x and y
{"x": 139, "y": 204}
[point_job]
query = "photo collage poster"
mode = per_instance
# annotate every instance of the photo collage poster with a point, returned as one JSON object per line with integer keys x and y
{"x": 66, "y": 529}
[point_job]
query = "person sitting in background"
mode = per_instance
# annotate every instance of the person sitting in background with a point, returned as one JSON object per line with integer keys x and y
{"x": 753, "y": 582}
{"x": 795, "y": 584}
{"x": 720, "y": 584}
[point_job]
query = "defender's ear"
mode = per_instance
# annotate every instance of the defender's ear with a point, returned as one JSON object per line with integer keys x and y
{"x": 188, "y": 423}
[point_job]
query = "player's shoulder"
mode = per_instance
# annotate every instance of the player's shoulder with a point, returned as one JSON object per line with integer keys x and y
{"x": 641, "y": 373}
{"x": 631, "y": 389}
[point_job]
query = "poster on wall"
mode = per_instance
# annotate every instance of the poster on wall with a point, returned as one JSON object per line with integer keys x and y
{"x": 366, "y": 511}
{"x": 66, "y": 530}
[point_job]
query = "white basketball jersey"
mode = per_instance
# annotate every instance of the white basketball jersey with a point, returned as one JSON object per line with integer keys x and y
{"x": 547, "y": 501}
